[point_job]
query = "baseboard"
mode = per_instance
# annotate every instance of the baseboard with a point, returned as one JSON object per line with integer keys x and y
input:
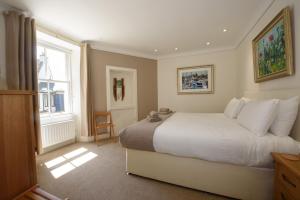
{"x": 91, "y": 138}
{"x": 78, "y": 139}
{"x": 56, "y": 146}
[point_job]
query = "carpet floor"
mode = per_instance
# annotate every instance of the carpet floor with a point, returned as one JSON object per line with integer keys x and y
{"x": 86, "y": 171}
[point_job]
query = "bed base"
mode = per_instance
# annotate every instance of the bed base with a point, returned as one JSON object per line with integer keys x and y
{"x": 235, "y": 181}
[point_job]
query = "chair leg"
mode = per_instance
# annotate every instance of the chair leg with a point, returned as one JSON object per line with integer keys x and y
{"x": 109, "y": 131}
{"x": 113, "y": 131}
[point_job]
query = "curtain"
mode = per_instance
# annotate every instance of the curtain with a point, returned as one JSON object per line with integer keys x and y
{"x": 21, "y": 64}
{"x": 86, "y": 93}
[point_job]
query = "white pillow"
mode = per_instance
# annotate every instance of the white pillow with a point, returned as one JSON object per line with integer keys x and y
{"x": 286, "y": 116}
{"x": 233, "y": 108}
{"x": 257, "y": 116}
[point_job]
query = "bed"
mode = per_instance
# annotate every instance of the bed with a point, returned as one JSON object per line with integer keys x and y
{"x": 225, "y": 159}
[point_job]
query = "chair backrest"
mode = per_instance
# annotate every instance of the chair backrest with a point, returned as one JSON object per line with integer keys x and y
{"x": 103, "y": 114}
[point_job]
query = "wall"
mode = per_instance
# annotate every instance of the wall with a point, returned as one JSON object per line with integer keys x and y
{"x": 244, "y": 53}
{"x": 225, "y": 82}
{"x": 146, "y": 79}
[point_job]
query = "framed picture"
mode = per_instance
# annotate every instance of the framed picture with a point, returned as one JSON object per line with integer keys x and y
{"x": 195, "y": 80}
{"x": 119, "y": 89}
{"x": 272, "y": 49}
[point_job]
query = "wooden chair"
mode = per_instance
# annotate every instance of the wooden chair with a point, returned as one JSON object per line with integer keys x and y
{"x": 103, "y": 120}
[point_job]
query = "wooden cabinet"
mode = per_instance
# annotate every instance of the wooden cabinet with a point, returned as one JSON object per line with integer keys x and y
{"x": 36, "y": 193}
{"x": 287, "y": 179}
{"x": 17, "y": 154}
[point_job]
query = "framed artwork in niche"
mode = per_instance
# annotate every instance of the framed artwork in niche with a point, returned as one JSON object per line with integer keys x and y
{"x": 195, "y": 80}
{"x": 272, "y": 49}
{"x": 119, "y": 89}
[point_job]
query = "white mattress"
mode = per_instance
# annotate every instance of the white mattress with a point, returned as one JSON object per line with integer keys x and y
{"x": 214, "y": 137}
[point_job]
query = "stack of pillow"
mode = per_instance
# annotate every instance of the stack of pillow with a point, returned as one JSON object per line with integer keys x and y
{"x": 260, "y": 117}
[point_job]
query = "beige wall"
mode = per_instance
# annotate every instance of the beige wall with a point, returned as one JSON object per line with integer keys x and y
{"x": 225, "y": 82}
{"x": 146, "y": 78}
{"x": 244, "y": 53}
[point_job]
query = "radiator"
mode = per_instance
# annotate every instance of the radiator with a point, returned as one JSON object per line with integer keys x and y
{"x": 57, "y": 133}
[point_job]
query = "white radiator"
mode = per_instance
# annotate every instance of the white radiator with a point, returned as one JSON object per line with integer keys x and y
{"x": 57, "y": 133}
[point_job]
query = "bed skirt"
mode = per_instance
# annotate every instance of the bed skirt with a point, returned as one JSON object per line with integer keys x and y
{"x": 235, "y": 181}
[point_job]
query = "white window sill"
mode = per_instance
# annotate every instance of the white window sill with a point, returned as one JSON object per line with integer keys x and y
{"x": 55, "y": 118}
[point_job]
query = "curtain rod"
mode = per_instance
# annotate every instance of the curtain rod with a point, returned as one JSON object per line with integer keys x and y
{"x": 20, "y": 12}
{"x": 9, "y": 8}
{"x": 59, "y": 36}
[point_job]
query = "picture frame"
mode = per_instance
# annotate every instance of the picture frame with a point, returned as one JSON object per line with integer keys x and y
{"x": 272, "y": 49}
{"x": 195, "y": 80}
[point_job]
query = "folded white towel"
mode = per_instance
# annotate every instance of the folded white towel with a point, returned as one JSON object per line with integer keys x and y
{"x": 153, "y": 114}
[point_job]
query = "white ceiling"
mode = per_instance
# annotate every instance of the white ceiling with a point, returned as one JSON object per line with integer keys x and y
{"x": 140, "y": 26}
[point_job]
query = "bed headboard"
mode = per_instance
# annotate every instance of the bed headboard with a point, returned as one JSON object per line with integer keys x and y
{"x": 279, "y": 94}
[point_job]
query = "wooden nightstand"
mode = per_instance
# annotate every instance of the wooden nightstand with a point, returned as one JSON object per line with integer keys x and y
{"x": 36, "y": 193}
{"x": 287, "y": 177}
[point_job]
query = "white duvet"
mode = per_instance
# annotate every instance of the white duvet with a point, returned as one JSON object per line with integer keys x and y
{"x": 214, "y": 137}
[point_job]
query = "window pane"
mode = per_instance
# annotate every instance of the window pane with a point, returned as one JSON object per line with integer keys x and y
{"x": 41, "y": 62}
{"x": 59, "y": 97}
{"x": 53, "y": 80}
{"x": 43, "y": 87}
{"x": 57, "y": 61}
{"x": 44, "y": 104}
{"x": 43, "y": 97}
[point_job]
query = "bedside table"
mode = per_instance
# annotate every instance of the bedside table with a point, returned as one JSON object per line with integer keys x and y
{"x": 287, "y": 176}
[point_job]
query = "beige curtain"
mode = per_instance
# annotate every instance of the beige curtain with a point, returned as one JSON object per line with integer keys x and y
{"x": 86, "y": 93}
{"x": 21, "y": 65}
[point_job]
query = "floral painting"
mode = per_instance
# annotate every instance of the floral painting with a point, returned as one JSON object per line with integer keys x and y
{"x": 198, "y": 79}
{"x": 272, "y": 49}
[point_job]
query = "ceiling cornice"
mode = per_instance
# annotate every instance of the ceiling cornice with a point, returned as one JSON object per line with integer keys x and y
{"x": 113, "y": 49}
{"x": 196, "y": 52}
{"x": 260, "y": 13}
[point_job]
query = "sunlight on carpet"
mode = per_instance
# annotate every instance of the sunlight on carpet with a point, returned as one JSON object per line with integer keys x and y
{"x": 68, "y": 164}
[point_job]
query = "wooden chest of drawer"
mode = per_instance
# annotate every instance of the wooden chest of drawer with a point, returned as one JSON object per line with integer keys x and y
{"x": 287, "y": 178}
{"x": 283, "y": 194}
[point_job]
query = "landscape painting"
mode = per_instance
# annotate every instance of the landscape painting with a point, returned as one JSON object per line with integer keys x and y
{"x": 195, "y": 80}
{"x": 272, "y": 49}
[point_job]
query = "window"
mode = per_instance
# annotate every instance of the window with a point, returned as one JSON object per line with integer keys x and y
{"x": 54, "y": 79}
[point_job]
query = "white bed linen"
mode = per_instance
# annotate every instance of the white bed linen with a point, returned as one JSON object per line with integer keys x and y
{"x": 214, "y": 137}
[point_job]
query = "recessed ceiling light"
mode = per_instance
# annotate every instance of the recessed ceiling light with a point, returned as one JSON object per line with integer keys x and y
{"x": 225, "y": 30}
{"x": 155, "y": 50}
{"x": 176, "y": 49}
{"x": 207, "y": 43}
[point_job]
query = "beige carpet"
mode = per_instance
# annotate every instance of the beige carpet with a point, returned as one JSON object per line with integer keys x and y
{"x": 98, "y": 173}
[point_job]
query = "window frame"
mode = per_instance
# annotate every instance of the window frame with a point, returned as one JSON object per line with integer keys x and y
{"x": 68, "y": 81}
